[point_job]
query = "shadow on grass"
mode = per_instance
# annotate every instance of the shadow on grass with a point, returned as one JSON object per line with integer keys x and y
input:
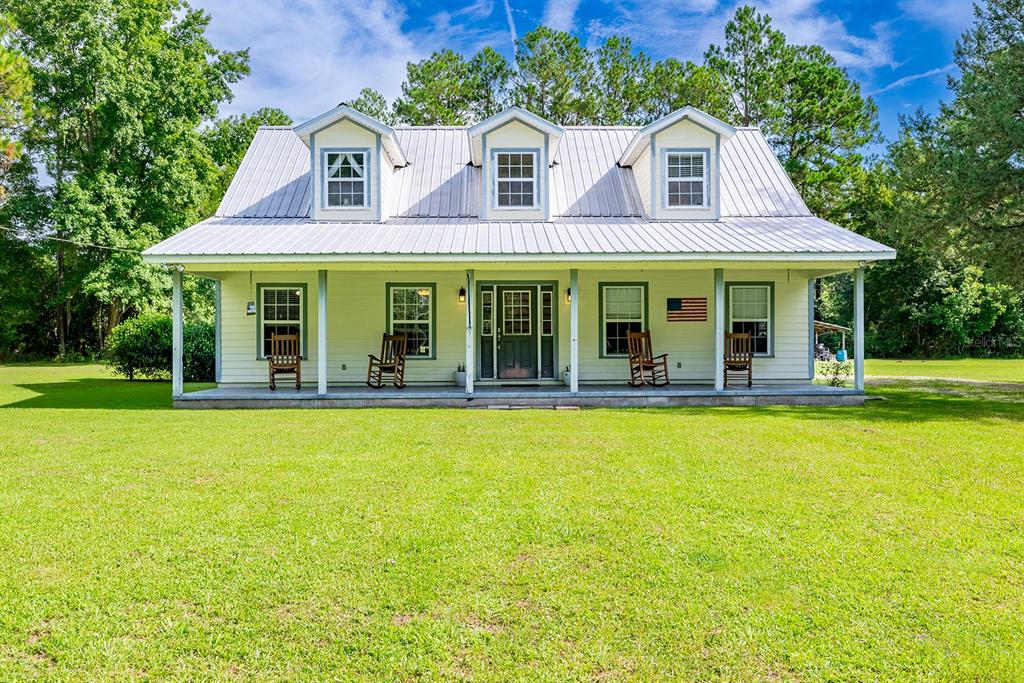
{"x": 99, "y": 394}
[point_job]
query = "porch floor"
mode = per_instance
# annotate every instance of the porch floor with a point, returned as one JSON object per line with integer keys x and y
{"x": 518, "y": 396}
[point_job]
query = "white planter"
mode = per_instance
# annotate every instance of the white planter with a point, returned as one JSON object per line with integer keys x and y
{"x": 460, "y": 378}
{"x": 567, "y": 378}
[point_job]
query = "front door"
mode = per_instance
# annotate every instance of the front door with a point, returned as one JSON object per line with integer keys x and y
{"x": 517, "y": 333}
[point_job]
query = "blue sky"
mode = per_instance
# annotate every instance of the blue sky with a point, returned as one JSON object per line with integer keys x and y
{"x": 308, "y": 55}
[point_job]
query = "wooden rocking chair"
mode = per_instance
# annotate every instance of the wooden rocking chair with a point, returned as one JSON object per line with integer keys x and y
{"x": 644, "y": 366}
{"x": 284, "y": 359}
{"x": 739, "y": 356}
{"x": 390, "y": 362}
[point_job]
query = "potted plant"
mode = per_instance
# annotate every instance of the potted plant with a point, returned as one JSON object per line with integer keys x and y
{"x": 567, "y": 376}
{"x": 460, "y": 375}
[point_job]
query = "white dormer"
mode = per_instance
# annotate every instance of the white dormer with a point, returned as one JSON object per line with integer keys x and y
{"x": 676, "y": 164}
{"x": 352, "y": 162}
{"x": 515, "y": 148}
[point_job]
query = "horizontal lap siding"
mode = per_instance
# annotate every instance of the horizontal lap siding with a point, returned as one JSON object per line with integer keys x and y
{"x": 357, "y": 318}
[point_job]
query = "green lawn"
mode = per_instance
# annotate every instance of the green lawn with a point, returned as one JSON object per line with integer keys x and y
{"x": 872, "y": 543}
{"x": 978, "y": 369}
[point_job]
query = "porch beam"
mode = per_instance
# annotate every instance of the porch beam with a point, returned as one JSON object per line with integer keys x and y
{"x": 719, "y": 329}
{"x": 177, "y": 334}
{"x": 321, "y": 333}
{"x": 858, "y": 329}
{"x": 217, "y": 343}
{"x": 574, "y": 330}
{"x": 470, "y": 332}
{"x": 812, "y": 337}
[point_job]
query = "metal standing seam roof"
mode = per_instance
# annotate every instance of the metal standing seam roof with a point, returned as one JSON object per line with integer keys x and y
{"x": 440, "y": 182}
{"x": 432, "y": 237}
{"x": 596, "y": 209}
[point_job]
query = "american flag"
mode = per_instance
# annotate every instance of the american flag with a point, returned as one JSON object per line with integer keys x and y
{"x": 688, "y": 309}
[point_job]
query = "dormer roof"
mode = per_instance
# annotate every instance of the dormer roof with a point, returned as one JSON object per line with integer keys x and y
{"x": 387, "y": 134}
{"x": 702, "y": 119}
{"x": 498, "y": 120}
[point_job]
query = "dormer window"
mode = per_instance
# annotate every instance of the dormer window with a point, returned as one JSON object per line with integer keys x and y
{"x": 685, "y": 177}
{"x": 516, "y": 179}
{"x": 345, "y": 174}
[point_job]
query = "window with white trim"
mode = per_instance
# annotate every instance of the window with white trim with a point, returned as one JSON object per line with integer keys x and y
{"x": 516, "y": 179}
{"x": 345, "y": 184}
{"x": 282, "y": 312}
{"x": 623, "y": 308}
{"x": 685, "y": 181}
{"x": 750, "y": 311}
{"x": 411, "y": 312}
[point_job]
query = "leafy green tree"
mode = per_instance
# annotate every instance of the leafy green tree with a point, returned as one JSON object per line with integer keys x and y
{"x": 555, "y": 77}
{"x": 492, "y": 75}
{"x": 125, "y": 85}
{"x": 981, "y": 136}
{"x": 375, "y": 105}
{"x": 674, "y": 84}
{"x": 820, "y": 125}
{"x": 227, "y": 140}
{"x": 438, "y": 91}
{"x": 750, "y": 65}
{"x": 624, "y": 83}
{"x": 15, "y": 101}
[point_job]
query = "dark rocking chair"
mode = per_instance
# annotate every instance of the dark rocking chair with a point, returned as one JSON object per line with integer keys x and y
{"x": 284, "y": 359}
{"x": 739, "y": 356}
{"x": 390, "y": 362}
{"x": 644, "y": 366}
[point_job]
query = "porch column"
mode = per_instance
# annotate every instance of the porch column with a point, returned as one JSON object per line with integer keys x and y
{"x": 470, "y": 332}
{"x": 177, "y": 334}
{"x": 719, "y": 329}
{"x": 858, "y": 329}
{"x": 216, "y": 331}
{"x": 321, "y": 333}
{"x": 812, "y": 338}
{"x": 574, "y": 330}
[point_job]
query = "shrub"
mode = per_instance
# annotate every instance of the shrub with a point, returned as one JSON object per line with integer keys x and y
{"x": 142, "y": 347}
{"x": 200, "y": 352}
{"x": 835, "y": 373}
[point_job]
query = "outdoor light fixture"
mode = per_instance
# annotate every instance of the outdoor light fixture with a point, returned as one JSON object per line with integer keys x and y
{"x": 462, "y": 295}
{"x": 250, "y": 308}
{"x": 568, "y": 296}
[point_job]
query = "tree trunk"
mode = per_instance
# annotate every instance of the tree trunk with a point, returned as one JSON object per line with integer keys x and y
{"x": 61, "y": 327}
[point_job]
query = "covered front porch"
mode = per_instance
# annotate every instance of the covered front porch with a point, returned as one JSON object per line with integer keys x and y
{"x": 552, "y": 396}
{"x": 561, "y": 326}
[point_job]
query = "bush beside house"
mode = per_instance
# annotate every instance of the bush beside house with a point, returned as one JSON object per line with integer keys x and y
{"x": 141, "y": 347}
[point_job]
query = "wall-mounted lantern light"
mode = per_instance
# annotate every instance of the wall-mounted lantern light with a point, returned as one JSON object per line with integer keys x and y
{"x": 568, "y": 296}
{"x": 462, "y": 295}
{"x": 250, "y": 308}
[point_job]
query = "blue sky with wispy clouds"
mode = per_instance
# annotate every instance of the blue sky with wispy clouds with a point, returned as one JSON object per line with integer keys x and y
{"x": 308, "y": 55}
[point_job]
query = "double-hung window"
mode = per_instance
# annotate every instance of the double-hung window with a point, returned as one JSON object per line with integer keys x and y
{"x": 345, "y": 179}
{"x": 623, "y": 309}
{"x": 411, "y": 312}
{"x": 750, "y": 311}
{"x": 685, "y": 179}
{"x": 282, "y": 311}
{"x": 516, "y": 179}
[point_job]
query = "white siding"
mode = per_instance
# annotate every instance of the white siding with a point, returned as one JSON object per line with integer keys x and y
{"x": 358, "y": 309}
{"x": 685, "y": 135}
{"x": 515, "y": 135}
{"x": 642, "y": 176}
{"x": 346, "y": 134}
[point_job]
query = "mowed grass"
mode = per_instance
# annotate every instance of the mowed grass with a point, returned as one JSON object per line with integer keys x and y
{"x": 874, "y": 543}
{"x": 976, "y": 369}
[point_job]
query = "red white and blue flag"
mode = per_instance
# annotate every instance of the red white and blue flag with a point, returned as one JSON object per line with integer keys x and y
{"x": 687, "y": 309}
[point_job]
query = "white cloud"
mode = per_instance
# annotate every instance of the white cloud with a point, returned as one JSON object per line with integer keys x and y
{"x": 663, "y": 27}
{"x": 952, "y": 16}
{"x": 308, "y": 56}
{"x": 561, "y": 14}
{"x": 900, "y": 82}
{"x": 511, "y": 24}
